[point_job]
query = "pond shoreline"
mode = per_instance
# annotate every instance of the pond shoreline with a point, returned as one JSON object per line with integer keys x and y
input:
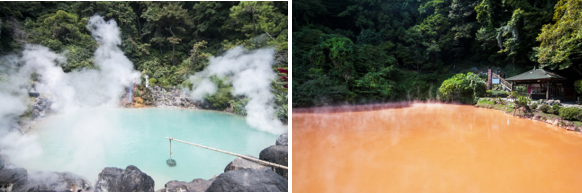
{"x": 235, "y": 171}
{"x": 557, "y": 122}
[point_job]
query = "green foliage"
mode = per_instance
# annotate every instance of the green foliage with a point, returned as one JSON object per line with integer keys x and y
{"x": 555, "y": 109}
{"x": 168, "y": 41}
{"x": 378, "y": 85}
{"x": 578, "y": 86}
{"x": 260, "y": 17}
{"x": 220, "y": 100}
{"x": 463, "y": 88}
{"x": 570, "y": 113}
{"x": 533, "y": 106}
{"x": 513, "y": 94}
{"x": 545, "y": 108}
{"x": 153, "y": 81}
{"x": 239, "y": 106}
{"x": 281, "y": 100}
{"x": 369, "y": 37}
{"x": 521, "y": 101}
{"x": 560, "y": 46}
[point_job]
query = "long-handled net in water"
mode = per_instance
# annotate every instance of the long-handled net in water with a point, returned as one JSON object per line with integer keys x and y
{"x": 171, "y": 162}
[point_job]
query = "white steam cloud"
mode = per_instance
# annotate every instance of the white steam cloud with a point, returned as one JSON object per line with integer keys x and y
{"x": 251, "y": 76}
{"x": 68, "y": 92}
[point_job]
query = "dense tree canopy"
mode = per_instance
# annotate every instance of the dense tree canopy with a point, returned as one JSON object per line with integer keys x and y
{"x": 561, "y": 42}
{"x": 362, "y": 51}
{"x": 168, "y": 41}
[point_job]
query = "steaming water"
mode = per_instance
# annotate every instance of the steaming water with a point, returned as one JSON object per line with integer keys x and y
{"x": 431, "y": 148}
{"x": 86, "y": 142}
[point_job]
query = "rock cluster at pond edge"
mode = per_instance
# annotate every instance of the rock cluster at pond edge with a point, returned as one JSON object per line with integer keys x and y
{"x": 249, "y": 180}
{"x": 277, "y": 154}
{"x": 129, "y": 180}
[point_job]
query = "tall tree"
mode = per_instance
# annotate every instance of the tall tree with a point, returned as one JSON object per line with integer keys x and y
{"x": 260, "y": 17}
{"x": 561, "y": 42}
{"x": 168, "y": 21}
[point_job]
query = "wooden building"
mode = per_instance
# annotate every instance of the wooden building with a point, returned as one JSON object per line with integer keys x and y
{"x": 543, "y": 84}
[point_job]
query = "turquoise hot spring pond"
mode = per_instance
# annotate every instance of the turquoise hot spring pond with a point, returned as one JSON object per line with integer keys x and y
{"x": 85, "y": 142}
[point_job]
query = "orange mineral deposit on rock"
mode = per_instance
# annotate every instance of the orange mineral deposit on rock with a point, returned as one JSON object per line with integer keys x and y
{"x": 431, "y": 148}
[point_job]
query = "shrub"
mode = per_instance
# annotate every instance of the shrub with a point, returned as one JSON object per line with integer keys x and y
{"x": 520, "y": 101}
{"x": 545, "y": 108}
{"x": 578, "y": 86}
{"x": 570, "y": 113}
{"x": 153, "y": 81}
{"x": 500, "y": 94}
{"x": 220, "y": 99}
{"x": 164, "y": 82}
{"x": 533, "y": 106}
{"x": 489, "y": 93}
{"x": 239, "y": 106}
{"x": 187, "y": 84}
{"x": 512, "y": 94}
{"x": 555, "y": 109}
{"x": 463, "y": 87}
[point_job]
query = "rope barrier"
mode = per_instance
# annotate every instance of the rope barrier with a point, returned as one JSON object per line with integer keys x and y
{"x": 230, "y": 153}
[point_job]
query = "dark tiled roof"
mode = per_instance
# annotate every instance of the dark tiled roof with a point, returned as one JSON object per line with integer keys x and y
{"x": 534, "y": 75}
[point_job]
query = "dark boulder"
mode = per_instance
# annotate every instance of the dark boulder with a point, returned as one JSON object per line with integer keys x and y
{"x": 282, "y": 140}
{"x": 241, "y": 163}
{"x": 13, "y": 179}
{"x": 49, "y": 181}
{"x": 249, "y": 180}
{"x": 196, "y": 185}
{"x": 129, "y": 180}
{"x": 1, "y": 163}
{"x": 276, "y": 154}
{"x": 33, "y": 93}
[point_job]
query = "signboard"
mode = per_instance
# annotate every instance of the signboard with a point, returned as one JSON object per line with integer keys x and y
{"x": 495, "y": 81}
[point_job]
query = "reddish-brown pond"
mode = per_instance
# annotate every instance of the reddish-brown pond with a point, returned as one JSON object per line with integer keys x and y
{"x": 431, "y": 148}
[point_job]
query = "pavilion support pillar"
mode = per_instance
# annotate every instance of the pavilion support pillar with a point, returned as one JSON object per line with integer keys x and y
{"x": 489, "y": 86}
{"x": 548, "y": 90}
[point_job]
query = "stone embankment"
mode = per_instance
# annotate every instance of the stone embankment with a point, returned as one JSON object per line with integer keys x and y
{"x": 552, "y": 120}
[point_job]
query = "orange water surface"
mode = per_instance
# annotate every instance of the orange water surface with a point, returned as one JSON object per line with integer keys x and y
{"x": 431, "y": 148}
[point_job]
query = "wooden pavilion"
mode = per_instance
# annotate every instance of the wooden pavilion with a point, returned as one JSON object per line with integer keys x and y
{"x": 543, "y": 84}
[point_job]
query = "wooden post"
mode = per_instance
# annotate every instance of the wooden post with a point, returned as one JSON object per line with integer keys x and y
{"x": 548, "y": 90}
{"x": 489, "y": 79}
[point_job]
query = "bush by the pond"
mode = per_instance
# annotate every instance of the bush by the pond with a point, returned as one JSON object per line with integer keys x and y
{"x": 463, "y": 87}
{"x": 153, "y": 81}
{"x": 545, "y": 108}
{"x": 520, "y": 101}
{"x": 533, "y": 106}
{"x": 555, "y": 109}
{"x": 500, "y": 94}
{"x": 570, "y": 113}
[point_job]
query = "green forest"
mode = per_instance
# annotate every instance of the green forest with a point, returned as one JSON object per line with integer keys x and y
{"x": 168, "y": 41}
{"x": 366, "y": 51}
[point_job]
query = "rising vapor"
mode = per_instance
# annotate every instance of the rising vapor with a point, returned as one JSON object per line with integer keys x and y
{"x": 251, "y": 76}
{"x": 68, "y": 92}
